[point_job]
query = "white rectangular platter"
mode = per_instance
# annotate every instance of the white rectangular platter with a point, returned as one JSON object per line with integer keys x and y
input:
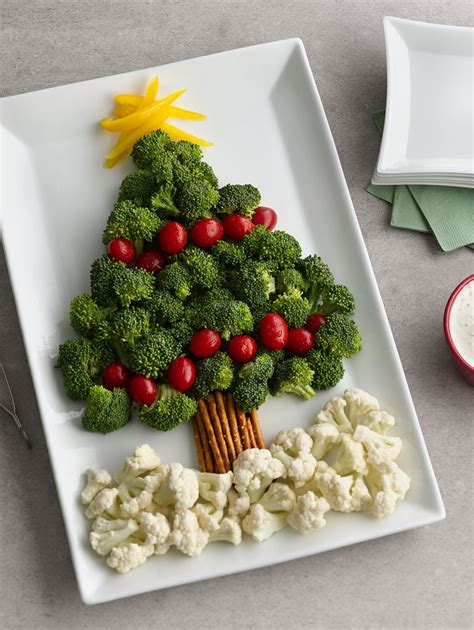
{"x": 270, "y": 129}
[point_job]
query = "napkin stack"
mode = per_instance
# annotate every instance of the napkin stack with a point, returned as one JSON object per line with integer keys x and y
{"x": 444, "y": 211}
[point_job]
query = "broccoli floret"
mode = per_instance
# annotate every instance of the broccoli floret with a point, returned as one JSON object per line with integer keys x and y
{"x": 182, "y": 332}
{"x": 336, "y": 298}
{"x": 187, "y": 153}
{"x": 275, "y": 355}
{"x": 133, "y": 285}
{"x": 162, "y": 201}
{"x": 154, "y": 353}
{"x": 293, "y": 376}
{"x": 238, "y": 199}
{"x": 203, "y": 268}
{"x": 102, "y": 278}
{"x": 252, "y": 283}
{"x": 126, "y": 327}
{"x": 138, "y": 187}
{"x": 148, "y": 151}
{"x": 317, "y": 276}
{"x": 127, "y": 220}
{"x": 327, "y": 366}
{"x": 106, "y": 410}
{"x": 227, "y": 317}
{"x": 169, "y": 409}
{"x": 165, "y": 308}
{"x": 289, "y": 279}
{"x": 208, "y": 173}
{"x": 86, "y": 316}
{"x": 251, "y": 387}
{"x": 279, "y": 249}
{"x": 293, "y": 307}
{"x": 81, "y": 361}
{"x": 229, "y": 254}
{"x": 195, "y": 196}
{"x": 213, "y": 373}
{"x": 339, "y": 334}
{"x": 176, "y": 279}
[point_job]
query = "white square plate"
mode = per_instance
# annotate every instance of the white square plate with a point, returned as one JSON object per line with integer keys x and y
{"x": 270, "y": 129}
{"x": 429, "y": 122}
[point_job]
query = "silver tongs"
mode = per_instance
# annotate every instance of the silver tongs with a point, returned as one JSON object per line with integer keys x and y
{"x": 12, "y": 412}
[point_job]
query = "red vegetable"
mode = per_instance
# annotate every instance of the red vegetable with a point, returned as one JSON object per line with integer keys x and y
{"x": 206, "y": 232}
{"x": 242, "y": 348}
{"x": 121, "y": 249}
{"x": 151, "y": 260}
{"x": 314, "y": 322}
{"x": 273, "y": 331}
{"x": 300, "y": 341}
{"x": 116, "y": 375}
{"x": 205, "y": 343}
{"x": 236, "y": 227}
{"x": 142, "y": 390}
{"x": 172, "y": 238}
{"x": 182, "y": 374}
{"x": 265, "y": 216}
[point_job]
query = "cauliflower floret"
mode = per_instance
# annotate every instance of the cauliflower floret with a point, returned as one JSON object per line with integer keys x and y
{"x": 238, "y": 503}
{"x": 324, "y": 437}
{"x": 359, "y": 404}
{"x": 107, "y": 534}
{"x": 292, "y": 447}
{"x": 350, "y": 457}
{"x": 187, "y": 535}
{"x": 97, "y": 480}
{"x": 209, "y": 516}
{"x": 361, "y": 499}
{"x": 179, "y": 488}
{"x": 254, "y": 470}
{"x": 378, "y": 421}
{"x": 388, "y": 485}
{"x": 136, "y": 493}
{"x": 380, "y": 449}
{"x": 129, "y": 556}
{"x": 278, "y": 498}
{"x": 334, "y": 488}
{"x": 228, "y": 531}
{"x": 105, "y": 502}
{"x": 155, "y": 530}
{"x": 262, "y": 524}
{"x": 214, "y": 487}
{"x": 144, "y": 460}
{"x": 308, "y": 513}
{"x": 335, "y": 413}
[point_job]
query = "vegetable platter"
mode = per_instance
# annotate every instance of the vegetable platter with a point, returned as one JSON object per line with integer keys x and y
{"x": 269, "y": 129}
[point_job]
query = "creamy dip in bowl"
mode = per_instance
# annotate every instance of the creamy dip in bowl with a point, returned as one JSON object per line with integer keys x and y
{"x": 459, "y": 327}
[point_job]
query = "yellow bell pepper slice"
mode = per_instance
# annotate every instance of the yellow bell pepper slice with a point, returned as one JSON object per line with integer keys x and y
{"x": 154, "y": 122}
{"x": 151, "y": 92}
{"x": 128, "y": 99}
{"x": 179, "y": 134}
{"x": 179, "y": 112}
{"x": 121, "y": 111}
{"x": 124, "y": 101}
{"x": 139, "y": 117}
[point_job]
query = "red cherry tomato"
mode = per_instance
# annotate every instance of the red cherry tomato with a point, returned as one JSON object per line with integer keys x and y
{"x": 314, "y": 322}
{"x": 116, "y": 375}
{"x": 142, "y": 390}
{"x": 206, "y": 232}
{"x": 300, "y": 341}
{"x": 242, "y": 348}
{"x": 205, "y": 343}
{"x": 181, "y": 374}
{"x": 236, "y": 227}
{"x": 172, "y": 238}
{"x": 121, "y": 249}
{"x": 265, "y": 216}
{"x": 151, "y": 260}
{"x": 273, "y": 331}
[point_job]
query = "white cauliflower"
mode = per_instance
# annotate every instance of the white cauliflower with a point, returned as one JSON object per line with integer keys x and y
{"x": 359, "y": 404}
{"x": 308, "y": 513}
{"x": 238, "y": 503}
{"x": 155, "y": 531}
{"x": 293, "y": 448}
{"x": 229, "y": 531}
{"x": 187, "y": 535}
{"x": 214, "y": 487}
{"x": 180, "y": 487}
{"x": 208, "y": 515}
{"x": 107, "y": 534}
{"x": 324, "y": 437}
{"x": 380, "y": 449}
{"x": 262, "y": 524}
{"x": 278, "y": 498}
{"x": 335, "y": 413}
{"x": 334, "y": 488}
{"x": 97, "y": 480}
{"x": 378, "y": 421}
{"x": 105, "y": 502}
{"x": 361, "y": 498}
{"x": 350, "y": 457}
{"x": 129, "y": 556}
{"x": 388, "y": 485}
{"x": 254, "y": 471}
{"x": 136, "y": 493}
{"x": 144, "y": 460}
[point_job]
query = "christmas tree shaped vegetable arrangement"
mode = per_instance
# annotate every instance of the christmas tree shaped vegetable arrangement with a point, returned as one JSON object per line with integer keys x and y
{"x": 201, "y": 309}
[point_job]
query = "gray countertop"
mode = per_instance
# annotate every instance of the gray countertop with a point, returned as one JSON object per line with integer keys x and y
{"x": 417, "y": 579}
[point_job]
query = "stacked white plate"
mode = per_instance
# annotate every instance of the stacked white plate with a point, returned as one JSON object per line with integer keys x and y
{"x": 428, "y": 136}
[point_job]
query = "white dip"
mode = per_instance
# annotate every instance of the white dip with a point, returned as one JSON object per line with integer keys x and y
{"x": 461, "y": 323}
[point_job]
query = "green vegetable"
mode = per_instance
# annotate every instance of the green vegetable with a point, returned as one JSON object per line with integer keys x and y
{"x": 126, "y": 327}
{"x": 203, "y": 268}
{"x": 293, "y": 307}
{"x": 148, "y": 151}
{"x": 195, "y": 195}
{"x": 162, "y": 201}
{"x": 340, "y": 335}
{"x": 251, "y": 388}
{"x": 133, "y": 285}
{"x": 86, "y": 316}
{"x": 327, "y": 366}
{"x": 336, "y": 298}
{"x": 216, "y": 372}
{"x": 169, "y": 409}
{"x": 106, "y": 410}
{"x": 293, "y": 376}
{"x": 279, "y": 249}
{"x": 176, "y": 279}
{"x": 182, "y": 332}
{"x": 252, "y": 283}
{"x": 226, "y": 316}
{"x": 165, "y": 308}
{"x": 154, "y": 353}
{"x": 102, "y": 277}
{"x": 228, "y": 254}
{"x": 138, "y": 187}
{"x": 133, "y": 222}
{"x": 288, "y": 279}
{"x": 317, "y": 277}
{"x": 238, "y": 199}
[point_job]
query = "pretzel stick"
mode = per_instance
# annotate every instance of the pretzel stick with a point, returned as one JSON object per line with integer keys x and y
{"x": 205, "y": 443}
{"x": 216, "y": 423}
{"x": 253, "y": 443}
{"x": 243, "y": 429}
{"x": 220, "y": 466}
{"x": 225, "y": 425}
{"x": 199, "y": 447}
{"x": 234, "y": 427}
{"x": 256, "y": 429}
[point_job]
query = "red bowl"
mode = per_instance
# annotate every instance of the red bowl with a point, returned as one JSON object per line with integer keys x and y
{"x": 466, "y": 370}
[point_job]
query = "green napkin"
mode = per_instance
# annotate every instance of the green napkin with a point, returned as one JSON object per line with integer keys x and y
{"x": 445, "y": 211}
